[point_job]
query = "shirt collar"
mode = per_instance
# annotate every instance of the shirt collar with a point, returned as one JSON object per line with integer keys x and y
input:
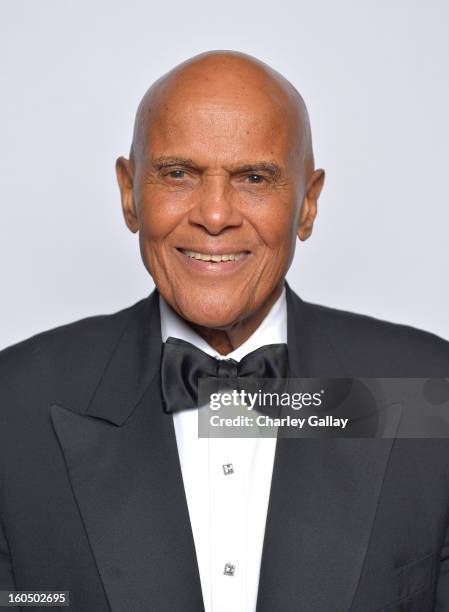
{"x": 272, "y": 330}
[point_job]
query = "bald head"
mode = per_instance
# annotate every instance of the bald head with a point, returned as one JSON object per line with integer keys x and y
{"x": 226, "y": 80}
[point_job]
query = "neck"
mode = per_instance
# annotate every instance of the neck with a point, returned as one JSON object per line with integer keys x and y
{"x": 228, "y": 339}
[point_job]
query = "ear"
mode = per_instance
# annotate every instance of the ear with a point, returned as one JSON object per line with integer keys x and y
{"x": 309, "y": 207}
{"x": 125, "y": 180}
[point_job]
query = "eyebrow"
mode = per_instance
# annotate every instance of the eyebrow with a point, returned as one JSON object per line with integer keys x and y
{"x": 270, "y": 167}
{"x": 167, "y": 162}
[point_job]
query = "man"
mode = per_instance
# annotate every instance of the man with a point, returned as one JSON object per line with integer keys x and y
{"x": 105, "y": 489}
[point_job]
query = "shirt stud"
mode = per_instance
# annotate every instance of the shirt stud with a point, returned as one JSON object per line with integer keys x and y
{"x": 229, "y": 569}
{"x": 228, "y": 468}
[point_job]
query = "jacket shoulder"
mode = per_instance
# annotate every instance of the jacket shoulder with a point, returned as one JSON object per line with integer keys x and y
{"x": 72, "y": 353}
{"x": 382, "y": 348}
{"x": 75, "y": 333}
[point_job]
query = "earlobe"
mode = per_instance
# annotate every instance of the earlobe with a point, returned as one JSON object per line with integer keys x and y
{"x": 309, "y": 207}
{"x": 125, "y": 180}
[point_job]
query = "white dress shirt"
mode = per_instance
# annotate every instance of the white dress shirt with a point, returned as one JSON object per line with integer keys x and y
{"x": 227, "y": 481}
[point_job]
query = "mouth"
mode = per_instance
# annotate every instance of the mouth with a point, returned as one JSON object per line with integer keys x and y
{"x": 216, "y": 258}
{"x": 213, "y": 262}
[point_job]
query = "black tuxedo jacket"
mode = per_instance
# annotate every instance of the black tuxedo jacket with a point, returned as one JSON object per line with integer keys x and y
{"x": 91, "y": 492}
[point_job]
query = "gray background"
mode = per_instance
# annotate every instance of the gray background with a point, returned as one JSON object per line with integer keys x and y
{"x": 374, "y": 76}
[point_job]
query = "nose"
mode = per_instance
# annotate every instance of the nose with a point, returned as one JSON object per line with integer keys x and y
{"x": 216, "y": 207}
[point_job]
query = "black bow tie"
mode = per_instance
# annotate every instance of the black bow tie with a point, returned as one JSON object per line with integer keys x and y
{"x": 183, "y": 363}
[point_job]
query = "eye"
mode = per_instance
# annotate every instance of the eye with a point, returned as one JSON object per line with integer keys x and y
{"x": 256, "y": 178}
{"x": 177, "y": 174}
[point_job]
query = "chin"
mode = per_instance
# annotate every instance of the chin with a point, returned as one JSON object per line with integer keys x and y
{"x": 214, "y": 312}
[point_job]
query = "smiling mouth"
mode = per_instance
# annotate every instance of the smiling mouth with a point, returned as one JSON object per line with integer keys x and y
{"x": 214, "y": 257}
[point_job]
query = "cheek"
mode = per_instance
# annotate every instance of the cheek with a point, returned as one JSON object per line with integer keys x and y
{"x": 159, "y": 217}
{"x": 276, "y": 227}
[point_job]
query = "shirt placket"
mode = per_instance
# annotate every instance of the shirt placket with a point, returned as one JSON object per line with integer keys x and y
{"x": 228, "y": 521}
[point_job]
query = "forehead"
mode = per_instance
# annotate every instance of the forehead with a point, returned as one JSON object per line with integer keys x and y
{"x": 220, "y": 127}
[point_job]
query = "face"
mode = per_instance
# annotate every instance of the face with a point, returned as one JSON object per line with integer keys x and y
{"x": 218, "y": 199}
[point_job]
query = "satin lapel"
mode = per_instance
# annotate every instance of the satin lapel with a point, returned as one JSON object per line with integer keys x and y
{"x": 323, "y": 496}
{"x": 123, "y": 465}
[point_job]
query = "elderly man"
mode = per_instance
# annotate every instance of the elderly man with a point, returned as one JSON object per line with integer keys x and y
{"x": 106, "y": 490}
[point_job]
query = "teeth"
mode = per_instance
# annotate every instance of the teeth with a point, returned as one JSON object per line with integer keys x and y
{"x": 214, "y": 258}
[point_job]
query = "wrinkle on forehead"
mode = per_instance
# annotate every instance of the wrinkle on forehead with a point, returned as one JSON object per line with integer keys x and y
{"x": 226, "y": 80}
